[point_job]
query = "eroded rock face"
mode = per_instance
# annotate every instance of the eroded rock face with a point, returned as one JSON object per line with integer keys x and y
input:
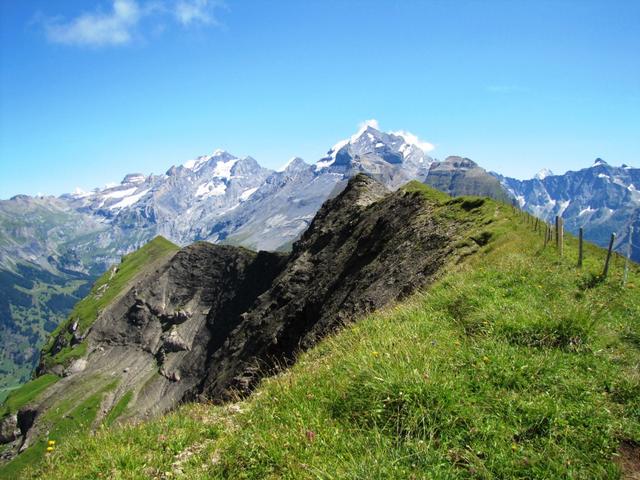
{"x": 173, "y": 319}
{"x": 209, "y": 322}
{"x": 76, "y": 366}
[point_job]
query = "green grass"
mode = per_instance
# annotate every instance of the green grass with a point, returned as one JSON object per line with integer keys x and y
{"x": 67, "y": 354}
{"x": 118, "y": 409}
{"x": 430, "y": 193}
{"x": 26, "y": 393}
{"x": 515, "y": 364}
{"x": 5, "y": 391}
{"x": 103, "y": 292}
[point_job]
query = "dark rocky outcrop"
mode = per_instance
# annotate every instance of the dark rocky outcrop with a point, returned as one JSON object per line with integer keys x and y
{"x": 211, "y": 320}
{"x": 365, "y": 249}
{"x": 174, "y": 318}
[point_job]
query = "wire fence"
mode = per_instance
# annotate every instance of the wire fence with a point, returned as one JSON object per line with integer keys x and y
{"x": 554, "y": 232}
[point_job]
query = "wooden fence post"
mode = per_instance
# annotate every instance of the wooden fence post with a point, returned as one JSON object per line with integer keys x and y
{"x": 606, "y": 262}
{"x": 580, "y": 246}
{"x": 557, "y": 230}
{"x": 546, "y": 236}
{"x": 561, "y": 236}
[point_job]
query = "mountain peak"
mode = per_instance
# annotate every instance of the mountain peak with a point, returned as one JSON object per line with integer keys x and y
{"x": 394, "y": 146}
{"x": 368, "y": 127}
{"x": 133, "y": 178}
{"x": 544, "y": 173}
{"x": 459, "y": 162}
{"x": 293, "y": 164}
{"x": 199, "y": 162}
{"x": 600, "y": 161}
{"x": 369, "y": 131}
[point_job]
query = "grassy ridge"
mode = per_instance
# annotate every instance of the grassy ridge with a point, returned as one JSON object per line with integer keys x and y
{"x": 514, "y": 365}
{"x": 106, "y": 288}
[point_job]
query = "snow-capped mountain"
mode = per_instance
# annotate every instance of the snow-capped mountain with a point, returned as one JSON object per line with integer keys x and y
{"x": 282, "y": 208}
{"x": 602, "y": 199}
{"x": 393, "y": 158}
{"x": 52, "y": 248}
{"x": 220, "y": 197}
{"x": 544, "y": 173}
{"x": 180, "y": 204}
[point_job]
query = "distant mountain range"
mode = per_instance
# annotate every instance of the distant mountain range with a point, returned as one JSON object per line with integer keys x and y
{"x": 52, "y": 248}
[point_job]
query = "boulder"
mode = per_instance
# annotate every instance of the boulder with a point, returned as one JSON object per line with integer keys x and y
{"x": 9, "y": 430}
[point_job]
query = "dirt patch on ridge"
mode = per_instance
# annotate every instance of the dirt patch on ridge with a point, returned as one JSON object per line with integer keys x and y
{"x": 629, "y": 460}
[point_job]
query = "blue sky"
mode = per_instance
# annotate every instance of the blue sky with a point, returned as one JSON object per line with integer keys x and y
{"x": 92, "y": 90}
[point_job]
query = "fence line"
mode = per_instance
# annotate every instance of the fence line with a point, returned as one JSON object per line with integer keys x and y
{"x": 549, "y": 232}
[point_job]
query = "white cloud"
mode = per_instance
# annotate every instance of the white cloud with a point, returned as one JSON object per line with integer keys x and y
{"x": 414, "y": 140}
{"x": 98, "y": 29}
{"x": 123, "y": 22}
{"x": 362, "y": 126}
{"x": 196, "y": 11}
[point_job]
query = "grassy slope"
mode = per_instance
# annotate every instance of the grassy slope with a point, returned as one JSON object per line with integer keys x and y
{"x": 65, "y": 420}
{"x": 25, "y": 394}
{"x": 514, "y": 365}
{"x": 107, "y": 288}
